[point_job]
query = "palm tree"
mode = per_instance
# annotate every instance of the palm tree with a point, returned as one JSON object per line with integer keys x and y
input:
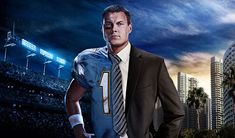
{"x": 197, "y": 98}
{"x": 229, "y": 83}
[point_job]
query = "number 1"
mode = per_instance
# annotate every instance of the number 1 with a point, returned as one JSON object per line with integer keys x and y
{"x": 105, "y": 84}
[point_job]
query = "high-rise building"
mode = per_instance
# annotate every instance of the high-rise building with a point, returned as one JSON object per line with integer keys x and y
{"x": 228, "y": 61}
{"x": 193, "y": 82}
{"x": 205, "y": 115}
{"x": 216, "y": 92}
{"x": 183, "y": 86}
{"x": 186, "y": 82}
{"x": 190, "y": 118}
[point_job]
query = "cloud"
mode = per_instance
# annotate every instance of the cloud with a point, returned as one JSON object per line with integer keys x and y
{"x": 178, "y": 18}
{"x": 222, "y": 10}
{"x": 190, "y": 62}
{"x": 229, "y": 18}
{"x": 188, "y": 29}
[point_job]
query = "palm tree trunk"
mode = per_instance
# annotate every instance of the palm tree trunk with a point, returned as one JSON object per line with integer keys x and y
{"x": 198, "y": 121}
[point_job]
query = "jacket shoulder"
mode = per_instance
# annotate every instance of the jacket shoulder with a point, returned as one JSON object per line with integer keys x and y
{"x": 147, "y": 55}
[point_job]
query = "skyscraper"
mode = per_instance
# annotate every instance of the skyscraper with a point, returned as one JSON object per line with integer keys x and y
{"x": 183, "y": 86}
{"x": 228, "y": 61}
{"x": 216, "y": 92}
{"x": 205, "y": 115}
{"x": 186, "y": 82}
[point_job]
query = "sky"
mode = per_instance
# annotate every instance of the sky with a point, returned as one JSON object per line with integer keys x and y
{"x": 186, "y": 33}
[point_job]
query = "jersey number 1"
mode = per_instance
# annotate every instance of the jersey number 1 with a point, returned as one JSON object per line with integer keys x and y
{"x": 105, "y": 84}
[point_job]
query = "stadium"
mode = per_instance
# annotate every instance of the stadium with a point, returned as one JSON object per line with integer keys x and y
{"x": 32, "y": 101}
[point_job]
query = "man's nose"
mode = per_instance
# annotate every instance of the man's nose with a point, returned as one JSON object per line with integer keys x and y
{"x": 114, "y": 28}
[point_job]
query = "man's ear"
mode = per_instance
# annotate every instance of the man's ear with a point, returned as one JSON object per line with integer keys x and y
{"x": 102, "y": 31}
{"x": 130, "y": 28}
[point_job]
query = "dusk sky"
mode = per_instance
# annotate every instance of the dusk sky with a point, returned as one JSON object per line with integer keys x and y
{"x": 187, "y": 33}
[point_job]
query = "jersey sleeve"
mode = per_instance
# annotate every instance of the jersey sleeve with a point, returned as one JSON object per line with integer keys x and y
{"x": 79, "y": 70}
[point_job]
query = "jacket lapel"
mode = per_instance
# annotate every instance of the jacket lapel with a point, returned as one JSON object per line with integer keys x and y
{"x": 133, "y": 74}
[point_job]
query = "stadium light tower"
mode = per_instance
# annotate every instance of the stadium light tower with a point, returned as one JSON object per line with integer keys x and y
{"x": 27, "y": 60}
{"x": 44, "y": 68}
{"x": 62, "y": 63}
{"x": 8, "y": 44}
{"x": 59, "y": 69}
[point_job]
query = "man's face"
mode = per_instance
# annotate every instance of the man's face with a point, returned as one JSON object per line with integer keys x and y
{"x": 116, "y": 29}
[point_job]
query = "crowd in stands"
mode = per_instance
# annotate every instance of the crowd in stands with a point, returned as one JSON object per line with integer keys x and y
{"x": 19, "y": 73}
{"x": 32, "y": 105}
{"x": 18, "y": 92}
{"x": 26, "y": 123}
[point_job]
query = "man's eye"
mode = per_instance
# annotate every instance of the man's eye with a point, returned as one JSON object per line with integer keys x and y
{"x": 107, "y": 26}
{"x": 120, "y": 24}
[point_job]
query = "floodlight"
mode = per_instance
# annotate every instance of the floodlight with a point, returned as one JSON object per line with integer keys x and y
{"x": 28, "y": 45}
{"x": 46, "y": 54}
{"x": 60, "y": 60}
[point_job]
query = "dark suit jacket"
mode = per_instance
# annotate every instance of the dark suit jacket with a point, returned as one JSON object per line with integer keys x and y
{"x": 148, "y": 80}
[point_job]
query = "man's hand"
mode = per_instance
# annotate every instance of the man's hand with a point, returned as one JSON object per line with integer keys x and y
{"x": 81, "y": 133}
{"x": 89, "y": 135}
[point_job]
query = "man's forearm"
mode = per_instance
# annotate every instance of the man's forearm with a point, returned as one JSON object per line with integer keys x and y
{"x": 73, "y": 109}
{"x": 75, "y": 118}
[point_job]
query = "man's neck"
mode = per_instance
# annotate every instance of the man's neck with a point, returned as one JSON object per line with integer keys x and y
{"x": 117, "y": 49}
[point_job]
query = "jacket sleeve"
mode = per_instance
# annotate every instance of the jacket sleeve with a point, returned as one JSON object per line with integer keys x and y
{"x": 172, "y": 107}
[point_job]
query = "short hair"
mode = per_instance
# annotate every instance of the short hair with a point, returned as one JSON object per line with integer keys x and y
{"x": 117, "y": 8}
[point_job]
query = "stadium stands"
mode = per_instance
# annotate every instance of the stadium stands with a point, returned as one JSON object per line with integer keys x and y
{"x": 32, "y": 105}
{"x": 16, "y": 72}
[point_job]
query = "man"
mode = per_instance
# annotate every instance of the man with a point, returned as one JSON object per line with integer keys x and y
{"x": 144, "y": 80}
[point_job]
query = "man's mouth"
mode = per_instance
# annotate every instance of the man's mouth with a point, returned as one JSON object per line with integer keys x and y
{"x": 115, "y": 36}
